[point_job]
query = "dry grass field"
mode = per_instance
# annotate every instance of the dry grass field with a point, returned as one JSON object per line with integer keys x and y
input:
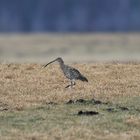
{"x": 34, "y": 105}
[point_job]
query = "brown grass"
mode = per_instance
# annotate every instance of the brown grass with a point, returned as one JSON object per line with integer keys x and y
{"x": 30, "y": 84}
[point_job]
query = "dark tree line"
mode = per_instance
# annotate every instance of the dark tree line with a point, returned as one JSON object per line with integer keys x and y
{"x": 69, "y": 15}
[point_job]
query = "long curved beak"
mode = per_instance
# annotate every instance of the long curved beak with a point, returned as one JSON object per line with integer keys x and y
{"x": 49, "y": 63}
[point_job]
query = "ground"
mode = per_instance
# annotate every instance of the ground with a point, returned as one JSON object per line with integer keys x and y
{"x": 34, "y": 104}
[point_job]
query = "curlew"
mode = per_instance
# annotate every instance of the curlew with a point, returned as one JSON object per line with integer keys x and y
{"x": 70, "y": 72}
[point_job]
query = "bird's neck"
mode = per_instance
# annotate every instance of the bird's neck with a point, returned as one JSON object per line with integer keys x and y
{"x": 61, "y": 65}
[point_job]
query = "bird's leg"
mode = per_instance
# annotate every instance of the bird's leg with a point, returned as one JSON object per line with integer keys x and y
{"x": 69, "y": 85}
{"x": 72, "y": 83}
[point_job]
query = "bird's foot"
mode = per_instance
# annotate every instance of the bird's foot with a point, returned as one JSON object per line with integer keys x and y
{"x": 71, "y": 85}
{"x": 68, "y": 86}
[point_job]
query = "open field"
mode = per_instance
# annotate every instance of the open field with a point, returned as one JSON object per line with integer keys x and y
{"x": 34, "y": 105}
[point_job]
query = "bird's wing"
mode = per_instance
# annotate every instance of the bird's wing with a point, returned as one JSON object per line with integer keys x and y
{"x": 75, "y": 72}
{"x": 71, "y": 72}
{"x": 78, "y": 75}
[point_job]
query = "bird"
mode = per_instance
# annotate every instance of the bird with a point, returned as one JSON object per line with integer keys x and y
{"x": 71, "y": 73}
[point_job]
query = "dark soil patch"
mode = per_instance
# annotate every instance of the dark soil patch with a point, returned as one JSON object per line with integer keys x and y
{"x": 138, "y": 110}
{"x": 111, "y": 109}
{"x": 3, "y": 107}
{"x": 117, "y": 108}
{"x": 70, "y": 102}
{"x": 85, "y": 102}
{"x": 123, "y": 108}
{"x": 87, "y": 113}
{"x": 51, "y": 103}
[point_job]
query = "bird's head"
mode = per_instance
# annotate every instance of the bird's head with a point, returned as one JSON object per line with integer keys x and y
{"x": 59, "y": 59}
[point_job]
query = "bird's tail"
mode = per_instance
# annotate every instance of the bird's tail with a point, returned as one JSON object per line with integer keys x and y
{"x": 82, "y": 78}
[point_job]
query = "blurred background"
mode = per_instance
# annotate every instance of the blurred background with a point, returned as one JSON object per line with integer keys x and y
{"x": 77, "y": 30}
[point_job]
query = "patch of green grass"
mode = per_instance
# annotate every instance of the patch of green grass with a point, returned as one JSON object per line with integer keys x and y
{"x": 46, "y": 118}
